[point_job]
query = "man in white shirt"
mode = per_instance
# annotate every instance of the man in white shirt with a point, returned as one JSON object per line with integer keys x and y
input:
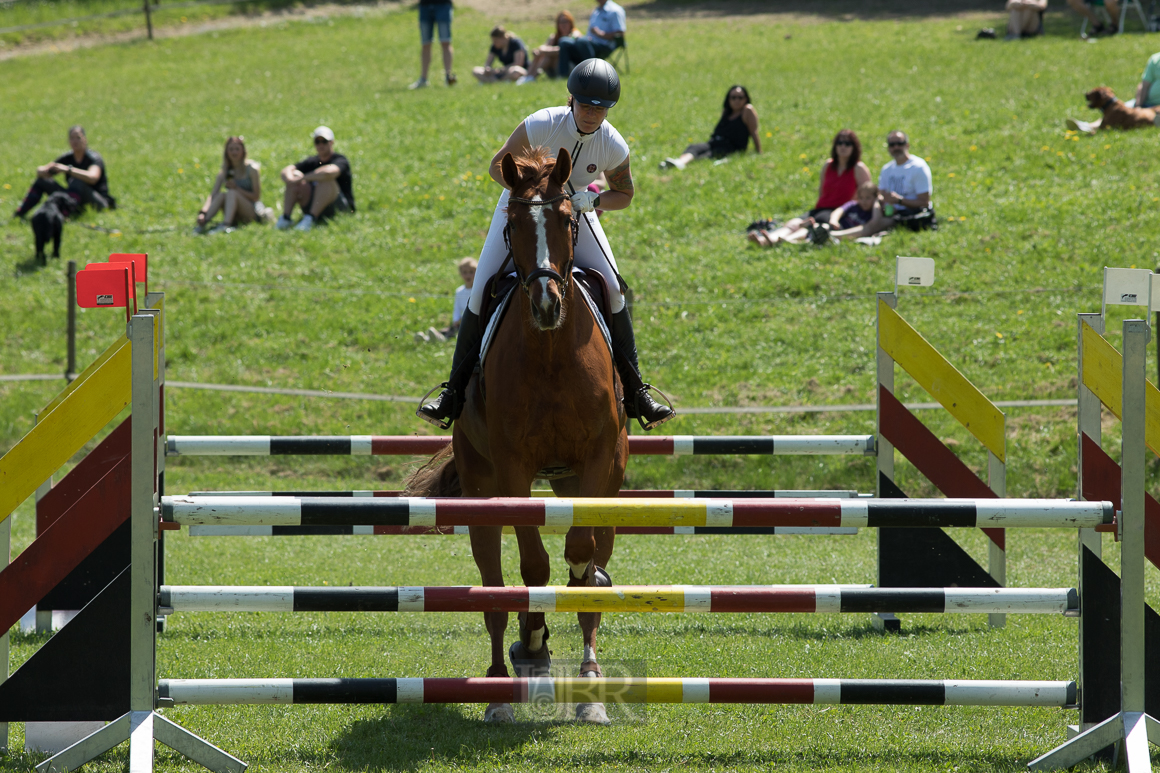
{"x": 605, "y": 31}
{"x": 905, "y": 183}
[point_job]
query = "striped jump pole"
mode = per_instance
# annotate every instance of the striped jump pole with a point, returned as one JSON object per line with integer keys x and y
{"x": 423, "y": 531}
{"x": 871, "y": 513}
{"x": 626, "y": 598}
{"x": 404, "y": 445}
{"x": 548, "y": 690}
{"x": 349, "y": 530}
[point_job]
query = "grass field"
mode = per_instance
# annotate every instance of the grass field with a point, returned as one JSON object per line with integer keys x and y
{"x": 1031, "y": 215}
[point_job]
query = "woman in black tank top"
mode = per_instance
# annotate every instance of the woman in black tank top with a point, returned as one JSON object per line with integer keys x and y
{"x": 738, "y": 123}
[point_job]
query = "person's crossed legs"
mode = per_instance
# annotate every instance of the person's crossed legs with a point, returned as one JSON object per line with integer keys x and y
{"x": 312, "y": 197}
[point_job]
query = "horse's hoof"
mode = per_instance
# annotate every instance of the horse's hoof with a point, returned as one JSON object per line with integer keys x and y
{"x": 530, "y": 664}
{"x": 499, "y": 713}
{"x": 592, "y": 713}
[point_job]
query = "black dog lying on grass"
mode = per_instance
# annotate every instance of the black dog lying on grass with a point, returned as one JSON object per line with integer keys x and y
{"x": 48, "y": 222}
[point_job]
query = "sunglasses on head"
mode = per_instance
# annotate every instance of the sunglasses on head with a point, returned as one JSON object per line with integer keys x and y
{"x": 895, "y": 143}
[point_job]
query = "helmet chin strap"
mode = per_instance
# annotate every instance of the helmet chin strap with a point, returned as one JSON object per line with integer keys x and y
{"x": 576, "y": 123}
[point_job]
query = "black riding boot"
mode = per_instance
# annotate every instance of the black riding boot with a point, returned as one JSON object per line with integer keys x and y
{"x": 638, "y": 403}
{"x": 445, "y": 408}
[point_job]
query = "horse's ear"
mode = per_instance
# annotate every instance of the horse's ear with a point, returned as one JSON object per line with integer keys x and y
{"x": 509, "y": 171}
{"x": 563, "y": 168}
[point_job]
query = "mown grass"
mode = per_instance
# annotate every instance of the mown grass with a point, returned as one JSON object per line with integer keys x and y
{"x": 1036, "y": 214}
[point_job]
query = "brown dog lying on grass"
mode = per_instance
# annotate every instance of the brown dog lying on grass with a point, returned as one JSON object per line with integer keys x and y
{"x": 1117, "y": 115}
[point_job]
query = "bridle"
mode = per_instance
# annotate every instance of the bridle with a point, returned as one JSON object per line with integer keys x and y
{"x": 562, "y": 282}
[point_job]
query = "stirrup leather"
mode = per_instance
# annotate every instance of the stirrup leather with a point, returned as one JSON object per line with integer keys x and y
{"x": 639, "y": 415}
{"x": 440, "y": 423}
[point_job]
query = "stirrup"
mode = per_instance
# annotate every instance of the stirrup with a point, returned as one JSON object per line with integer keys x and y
{"x": 440, "y": 423}
{"x": 658, "y": 422}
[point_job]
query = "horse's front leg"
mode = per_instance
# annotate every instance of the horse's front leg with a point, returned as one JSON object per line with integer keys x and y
{"x": 485, "y": 547}
{"x": 530, "y": 655}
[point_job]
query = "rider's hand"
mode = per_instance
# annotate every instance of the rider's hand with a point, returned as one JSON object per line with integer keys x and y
{"x": 585, "y": 201}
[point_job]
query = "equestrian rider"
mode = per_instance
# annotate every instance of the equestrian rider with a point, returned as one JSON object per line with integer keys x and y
{"x": 595, "y": 147}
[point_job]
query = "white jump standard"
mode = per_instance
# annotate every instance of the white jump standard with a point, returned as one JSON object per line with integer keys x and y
{"x": 871, "y": 513}
{"x": 547, "y": 690}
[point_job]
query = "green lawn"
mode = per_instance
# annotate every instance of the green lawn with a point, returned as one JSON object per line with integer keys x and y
{"x": 1036, "y": 214}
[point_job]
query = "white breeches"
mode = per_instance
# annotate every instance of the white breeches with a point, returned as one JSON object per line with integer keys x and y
{"x": 588, "y": 255}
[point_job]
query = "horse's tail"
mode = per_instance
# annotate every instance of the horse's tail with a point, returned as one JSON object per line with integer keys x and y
{"x": 437, "y": 478}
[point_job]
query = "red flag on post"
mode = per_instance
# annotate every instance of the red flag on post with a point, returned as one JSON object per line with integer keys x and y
{"x": 101, "y": 286}
{"x": 140, "y": 261}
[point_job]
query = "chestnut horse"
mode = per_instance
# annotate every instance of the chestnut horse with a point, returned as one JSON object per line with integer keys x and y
{"x": 547, "y": 403}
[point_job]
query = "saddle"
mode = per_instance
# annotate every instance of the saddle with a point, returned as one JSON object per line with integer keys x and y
{"x": 498, "y": 293}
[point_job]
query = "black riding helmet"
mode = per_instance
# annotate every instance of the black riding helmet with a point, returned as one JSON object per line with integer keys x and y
{"x": 595, "y": 82}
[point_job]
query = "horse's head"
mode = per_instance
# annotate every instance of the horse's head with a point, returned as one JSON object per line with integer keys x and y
{"x": 541, "y": 230}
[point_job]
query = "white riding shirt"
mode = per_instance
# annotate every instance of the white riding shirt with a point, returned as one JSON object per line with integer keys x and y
{"x": 554, "y": 128}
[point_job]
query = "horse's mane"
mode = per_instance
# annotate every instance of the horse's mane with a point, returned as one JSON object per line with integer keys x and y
{"x": 534, "y": 165}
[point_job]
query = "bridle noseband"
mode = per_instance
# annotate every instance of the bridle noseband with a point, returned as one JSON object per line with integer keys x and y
{"x": 562, "y": 282}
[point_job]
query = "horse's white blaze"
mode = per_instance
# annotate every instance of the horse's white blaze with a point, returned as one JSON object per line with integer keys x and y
{"x": 542, "y": 253}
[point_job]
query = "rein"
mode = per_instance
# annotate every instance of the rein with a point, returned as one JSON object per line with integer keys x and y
{"x": 563, "y": 282}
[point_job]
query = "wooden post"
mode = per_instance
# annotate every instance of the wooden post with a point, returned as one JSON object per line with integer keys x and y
{"x": 70, "y": 371}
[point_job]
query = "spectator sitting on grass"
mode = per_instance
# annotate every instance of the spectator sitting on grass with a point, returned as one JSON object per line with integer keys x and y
{"x": 241, "y": 201}
{"x": 906, "y": 187}
{"x": 547, "y": 57}
{"x": 1025, "y": 18}
{"x": 852, "y": 219}
{"x": 842, "y": 174}
{"x": 605, "y": 29}
{"x": 467, "y": 267}
{"x": 319, "y": 184}
{"x": 738, "y": 123}
{"x": 85, "y": 178}
{"x": 511, "y": 53}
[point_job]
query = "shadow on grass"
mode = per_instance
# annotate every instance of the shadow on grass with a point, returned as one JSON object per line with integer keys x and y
{"x": 412, "y": 737}
{"x": 848, "y": 10}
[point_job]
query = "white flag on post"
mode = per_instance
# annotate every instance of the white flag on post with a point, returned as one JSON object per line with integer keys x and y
{"x": 1127, "y": 286}
{"x": 915, "y": 272}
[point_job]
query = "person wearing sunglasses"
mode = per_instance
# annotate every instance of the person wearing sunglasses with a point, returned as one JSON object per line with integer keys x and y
{"x": 906, "y": 185}
{"x": 738, "y": 123}
{"x": 843, "y": 173}
{"x": 320, "y": 185}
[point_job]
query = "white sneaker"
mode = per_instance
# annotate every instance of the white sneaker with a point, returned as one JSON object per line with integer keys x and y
{"x": 283, "y": 223}
{"x": 526, "y": 79}
{"x": 305, "y": 224}
{"x": 422, "y": 338}
{"x": 419, "y": 84}
{"x": 437, "y": 335}
{"x": 675, "y": 163}
{"x": 1078, "y": 126}
{"x": 221, "y": 228}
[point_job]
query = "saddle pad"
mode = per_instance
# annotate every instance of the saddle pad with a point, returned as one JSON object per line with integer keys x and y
{"x": 503, "y": 300}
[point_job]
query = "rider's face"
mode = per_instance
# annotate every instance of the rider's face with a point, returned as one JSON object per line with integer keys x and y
{"x": 588, "y": 117}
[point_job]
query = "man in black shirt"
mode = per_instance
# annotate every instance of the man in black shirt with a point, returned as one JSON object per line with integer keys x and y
{"x": 85, "y": 177}
{"x": 320, "y": 185}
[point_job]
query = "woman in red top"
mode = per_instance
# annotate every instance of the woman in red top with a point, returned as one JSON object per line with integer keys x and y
{"x": 842, "y": 173}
